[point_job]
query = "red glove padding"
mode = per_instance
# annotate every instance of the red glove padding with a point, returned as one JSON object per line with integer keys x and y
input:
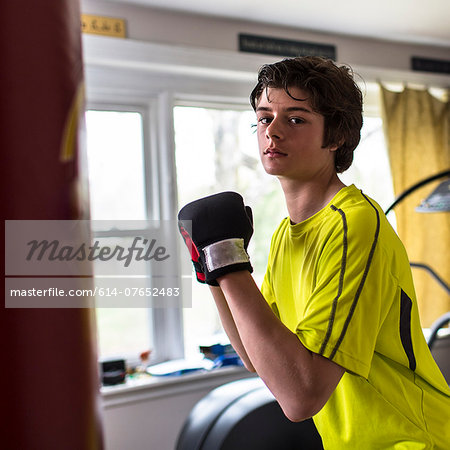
{"x": 221, "y": 228}
{"x": 195, "y": 257}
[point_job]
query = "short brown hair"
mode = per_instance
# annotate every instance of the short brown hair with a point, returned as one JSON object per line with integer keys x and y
{"x": 333, "y": 94}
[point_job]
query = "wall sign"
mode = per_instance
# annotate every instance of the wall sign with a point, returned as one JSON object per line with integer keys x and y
{"x": 106, "y": 26}
{"x": 283, "y": 47}
{"x": 430, "y": 65}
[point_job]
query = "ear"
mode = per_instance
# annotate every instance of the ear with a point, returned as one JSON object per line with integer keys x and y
{"x": 339, "y": 144}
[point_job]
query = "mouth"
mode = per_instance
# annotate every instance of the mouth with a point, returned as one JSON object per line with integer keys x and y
{"x": 273, "y": 153}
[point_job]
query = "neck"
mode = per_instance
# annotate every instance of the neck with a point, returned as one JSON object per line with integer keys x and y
{"x": 304, "y": 199}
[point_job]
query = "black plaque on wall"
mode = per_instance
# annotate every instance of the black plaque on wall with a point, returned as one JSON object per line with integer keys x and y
{"x": 284, "y": 47}
{"x": 430, "y": 65}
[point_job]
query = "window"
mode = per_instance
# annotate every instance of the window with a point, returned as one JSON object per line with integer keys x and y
{"x": 125, "y": 192}
{"x": 216, "y": 150}
{"x": 116, "y": 165}
{"x": 117, "y": 186}
{"x": 370, "y": 170}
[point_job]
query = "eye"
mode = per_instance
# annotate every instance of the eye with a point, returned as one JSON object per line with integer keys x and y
{"x": 296, "y": 120}
{"x": 264, "y": 120}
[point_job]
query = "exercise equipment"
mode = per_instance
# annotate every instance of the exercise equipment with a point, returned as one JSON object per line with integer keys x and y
{"x": 244, "y": 415}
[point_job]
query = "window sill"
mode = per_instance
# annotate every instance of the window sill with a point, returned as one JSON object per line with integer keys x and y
{"x": 151, "y": 387}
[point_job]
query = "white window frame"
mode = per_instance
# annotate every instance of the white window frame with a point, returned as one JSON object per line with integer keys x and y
{"x": 166, "y": 323}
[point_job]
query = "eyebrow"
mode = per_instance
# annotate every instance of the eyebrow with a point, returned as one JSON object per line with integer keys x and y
{"x": 290, "y": 109}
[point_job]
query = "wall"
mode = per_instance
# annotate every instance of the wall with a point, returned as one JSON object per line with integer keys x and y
{"x": 150, "y": 416}
{"x": 161, "y": 26}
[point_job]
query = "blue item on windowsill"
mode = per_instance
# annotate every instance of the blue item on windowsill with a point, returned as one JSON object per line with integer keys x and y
{"x": 227, "y": 360}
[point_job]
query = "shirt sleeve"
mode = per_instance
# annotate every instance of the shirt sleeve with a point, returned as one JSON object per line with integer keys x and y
{"x": 267, "y": 292}
{"x": 266, "y": 285}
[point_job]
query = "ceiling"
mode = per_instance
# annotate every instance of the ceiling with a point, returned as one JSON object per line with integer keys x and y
{"x": 414, "y": 21}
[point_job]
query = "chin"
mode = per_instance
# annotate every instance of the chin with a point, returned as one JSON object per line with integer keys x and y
{"x": 272, "y": 172}
{"x": 271, "y": 169}
{"x": 275, "y": 171}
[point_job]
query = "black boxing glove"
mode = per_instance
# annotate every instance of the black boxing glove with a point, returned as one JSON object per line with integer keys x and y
{"x": 220, "y": 231}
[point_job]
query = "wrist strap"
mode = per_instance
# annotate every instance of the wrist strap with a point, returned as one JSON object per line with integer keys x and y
{"x": 225, "y": 253}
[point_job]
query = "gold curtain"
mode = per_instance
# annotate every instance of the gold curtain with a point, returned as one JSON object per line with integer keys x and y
{"x": 417, "y": 133}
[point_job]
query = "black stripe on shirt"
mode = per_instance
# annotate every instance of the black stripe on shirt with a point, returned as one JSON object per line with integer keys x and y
{"x": 341, "y": 279}
{"x": 405, "y": 329}
{"x": 361, "y": 284}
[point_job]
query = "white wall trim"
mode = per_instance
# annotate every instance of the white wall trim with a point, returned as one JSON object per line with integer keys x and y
{"x": 227, "y": 65}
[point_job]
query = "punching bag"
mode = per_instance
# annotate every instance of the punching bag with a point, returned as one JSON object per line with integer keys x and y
{"x": 50, "y": 385}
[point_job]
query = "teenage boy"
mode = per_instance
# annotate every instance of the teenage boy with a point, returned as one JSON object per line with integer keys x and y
{"x": 334, "y": 331}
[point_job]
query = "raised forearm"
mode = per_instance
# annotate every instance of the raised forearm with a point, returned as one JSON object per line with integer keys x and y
{"x": 230, "y": 327}
{"x": 300, "y": 380}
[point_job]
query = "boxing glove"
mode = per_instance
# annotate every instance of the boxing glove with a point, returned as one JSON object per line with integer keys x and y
{"x": 217, "y": 230}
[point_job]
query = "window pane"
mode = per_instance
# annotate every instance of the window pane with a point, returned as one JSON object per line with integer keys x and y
{"x": 123, "y": 332}
{"x": 116, "y": 165}
{"x": 371, "y": 170}
{"x": 117, "y": 192}
{"x": 216, "y": 150}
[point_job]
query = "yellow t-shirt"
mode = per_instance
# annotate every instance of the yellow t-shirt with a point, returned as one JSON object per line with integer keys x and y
{"x": 341, "y": 281}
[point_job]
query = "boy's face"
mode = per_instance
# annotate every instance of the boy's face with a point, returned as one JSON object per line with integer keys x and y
{"x": 290, "y": 136}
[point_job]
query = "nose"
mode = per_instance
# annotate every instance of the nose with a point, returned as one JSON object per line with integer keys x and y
{"x": 273, "y": 130}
